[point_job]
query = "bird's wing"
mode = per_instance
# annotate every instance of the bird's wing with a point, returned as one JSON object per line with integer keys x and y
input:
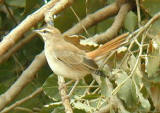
{"x": 74, "y": 59}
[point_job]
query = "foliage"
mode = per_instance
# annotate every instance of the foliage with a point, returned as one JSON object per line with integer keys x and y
{"x": 139, "y": 94}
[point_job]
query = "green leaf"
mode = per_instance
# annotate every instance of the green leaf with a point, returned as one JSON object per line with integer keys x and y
{"x": 80, "y": 88}
{"x": 105, "y": 90}
{"x": 153, "y": 60}
{"x": 154, "y": 30}
{"x": 3, "y": 88}
{"x": 127, "y": 92}
{"x": 91, "y": 96}
{"x": 94, "y": 5}
{"x": 58, "y": 110}
{"x": 110, "y": 1}
{"x": 67, "y": 19}
{"x": 30, "y": 4}
{"x": 50, "y": 87}
{"x": 16, "y": 3}
{"x": 137, "y": 73}
{"x": 151, "y": 6}
{"x": 78, "y": 111}
{"x": 83, "y": 106}
{"x": 144, "y": 102}
{"x": 50, "y": 107}
{"x": 130, "y": 22}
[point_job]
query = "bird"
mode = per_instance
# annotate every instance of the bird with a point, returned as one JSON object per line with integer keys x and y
{"x": 64, "y": 58}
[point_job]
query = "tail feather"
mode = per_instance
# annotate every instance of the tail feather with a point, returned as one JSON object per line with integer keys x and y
{"x": 107, "y": 47}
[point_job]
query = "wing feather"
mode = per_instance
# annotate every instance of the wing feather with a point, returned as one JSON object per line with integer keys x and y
{"x": 76, "y": 60}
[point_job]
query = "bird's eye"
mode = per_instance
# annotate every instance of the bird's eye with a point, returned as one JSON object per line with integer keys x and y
{"x": 45, "y": 31}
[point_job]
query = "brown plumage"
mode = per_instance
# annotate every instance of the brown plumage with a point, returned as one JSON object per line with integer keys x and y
{"x": 64, "y": 58}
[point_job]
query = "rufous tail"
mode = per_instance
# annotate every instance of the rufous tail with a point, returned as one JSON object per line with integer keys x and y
{"x": 107, "y": 47}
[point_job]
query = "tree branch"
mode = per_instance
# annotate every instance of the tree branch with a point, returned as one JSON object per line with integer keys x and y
{"x": 23, "y": 80}
{"x": 94, "y": 18}
{"x": 24, "y": 26}
{"x": 16, "y": 47}
{"x": 39, "y": 90}
{"x": 114, "y": 29}
{"x": 63, "y": 93}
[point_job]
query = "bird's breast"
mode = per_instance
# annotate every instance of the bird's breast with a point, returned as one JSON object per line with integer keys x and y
{"x": 60, "y": 68}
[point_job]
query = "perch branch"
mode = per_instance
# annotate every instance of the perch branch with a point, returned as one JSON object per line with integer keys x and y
{"x": 63, "y": 93}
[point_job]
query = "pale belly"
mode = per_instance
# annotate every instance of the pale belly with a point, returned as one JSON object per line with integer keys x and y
{"x": 62, "y": 69}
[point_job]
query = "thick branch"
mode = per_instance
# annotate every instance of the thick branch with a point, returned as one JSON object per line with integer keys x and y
{"x": 23, "y": 80}
{"x": 114, "y": 29}
{"x": 94, "y": 18}
{"x": 16, "y": 47}
{"x": 24, "y": 26}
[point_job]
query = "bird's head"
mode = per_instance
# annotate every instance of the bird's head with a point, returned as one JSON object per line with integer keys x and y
{"x": 48, "y": 33}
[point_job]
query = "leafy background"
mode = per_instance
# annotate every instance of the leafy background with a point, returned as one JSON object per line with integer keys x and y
{"x": 138, "y": 94}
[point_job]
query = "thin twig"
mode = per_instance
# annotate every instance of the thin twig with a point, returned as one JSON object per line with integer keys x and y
{"x": 94, "y": 18}
{"x": 10, "y": 14}
{"x": 138, "y": 13}
{"x": 79, "y": 21}
{"x": 105, "y": 109}
{"x": 71, "y": 81}
{"x": 114, "y": 101}
{"x": 24, "y": 109}
{"x": 134, "y": 68}
{"x": 73, "y": 88}
{"x": 87, "y": 90}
